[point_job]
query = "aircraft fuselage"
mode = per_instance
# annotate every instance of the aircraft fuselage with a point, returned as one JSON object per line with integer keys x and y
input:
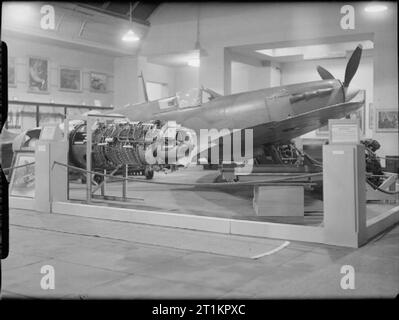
{"x": 247, "y": 110}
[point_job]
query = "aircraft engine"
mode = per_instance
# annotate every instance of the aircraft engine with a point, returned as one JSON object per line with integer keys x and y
{"x": 136, "y": 144}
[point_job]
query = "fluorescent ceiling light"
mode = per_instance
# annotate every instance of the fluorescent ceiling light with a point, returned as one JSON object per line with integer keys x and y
{"x": 130, "y": 36}
{"x": 194, "y": 62}
{"x": 375, "y": 8}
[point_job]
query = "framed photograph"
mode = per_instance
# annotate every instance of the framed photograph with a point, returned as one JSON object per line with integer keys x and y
{"x": 98, "y": 82}
{"x": 11, "y": 73}
{"x": 38, "y": 75}
{"x": 386, "y": 120}
{"x": 23, "y": 179}
{"x": 70, "y": 79}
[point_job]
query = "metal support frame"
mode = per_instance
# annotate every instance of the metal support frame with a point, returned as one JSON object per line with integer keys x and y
{"x": 91, "y": 119}
{"x": 124, "y": 186}
{"x": 37, "y": 116}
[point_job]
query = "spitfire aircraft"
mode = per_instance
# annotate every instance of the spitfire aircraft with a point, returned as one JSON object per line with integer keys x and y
{"x": 276, "y": 115}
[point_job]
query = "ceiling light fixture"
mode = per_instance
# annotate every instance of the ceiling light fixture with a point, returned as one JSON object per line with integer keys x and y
{"x": 375, "y": 8}
{"x": 194, "y": 62}
{"x": 130, "y": 36}
{"x": 201, "y": 51}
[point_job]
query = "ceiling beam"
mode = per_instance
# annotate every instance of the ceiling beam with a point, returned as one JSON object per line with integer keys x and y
{"x": 110, "y": 13}
{"x": 106, "y": 5}
{"x": 132, "y": 8}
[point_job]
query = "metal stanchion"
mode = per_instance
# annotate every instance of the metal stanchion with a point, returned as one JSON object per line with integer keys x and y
{"x": 103, "y": 184}
{"x": 89, "y": 125}
{"x": 124, "y": 187}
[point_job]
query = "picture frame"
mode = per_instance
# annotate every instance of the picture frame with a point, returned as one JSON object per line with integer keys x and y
{"x": 98, "y": 82}
{"x": 11, "y": 73}
{"x": 70, "y": 79}
{"x": 22, "y": 183}
{"x": 386, "y": 120}
{"x": 38, "y": 75}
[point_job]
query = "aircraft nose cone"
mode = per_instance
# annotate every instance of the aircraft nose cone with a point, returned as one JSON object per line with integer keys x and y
{"x": 351, "y": 93}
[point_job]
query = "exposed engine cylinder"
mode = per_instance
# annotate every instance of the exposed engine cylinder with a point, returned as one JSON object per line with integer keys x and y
{"x": 136, "y": 144}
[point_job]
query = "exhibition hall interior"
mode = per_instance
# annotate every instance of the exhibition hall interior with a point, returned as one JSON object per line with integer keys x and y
{"x": 200, "y": 149}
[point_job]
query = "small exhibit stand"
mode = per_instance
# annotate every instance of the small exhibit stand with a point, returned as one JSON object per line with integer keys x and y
{"x": 47, "y": 183}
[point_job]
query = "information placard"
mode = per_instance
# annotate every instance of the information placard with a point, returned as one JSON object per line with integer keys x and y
{"x": 51, "y": 133}
{"x": 346, "y": 131}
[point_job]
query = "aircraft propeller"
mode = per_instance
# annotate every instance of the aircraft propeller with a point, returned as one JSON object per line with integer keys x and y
{"x": 350, "y": 70}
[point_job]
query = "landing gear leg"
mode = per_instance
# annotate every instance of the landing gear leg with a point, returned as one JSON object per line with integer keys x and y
{"x": 149, "y": 173}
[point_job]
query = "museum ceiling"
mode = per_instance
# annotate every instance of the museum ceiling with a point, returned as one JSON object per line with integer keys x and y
{"x": 141, "y": 11}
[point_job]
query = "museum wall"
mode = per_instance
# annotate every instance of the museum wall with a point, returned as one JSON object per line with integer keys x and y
{"x": 22, "y": 49}
{"x": 126, "y": 71}
{"x": 128, "y": 86}
{"x": 245, "y": 77}
{"x": 186, "y": 78}
{"x": 173, "y": 29}
{"x": 161, "y": 74}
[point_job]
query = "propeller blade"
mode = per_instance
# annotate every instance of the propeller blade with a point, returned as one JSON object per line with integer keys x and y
{"x": 324, "y": 74}
{"x": 352, "y": 65}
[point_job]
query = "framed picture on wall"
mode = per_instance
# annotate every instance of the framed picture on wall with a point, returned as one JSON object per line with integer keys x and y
{"x": 23, "y": 178}
{"x": 386, "y": 120}
{"x": 70, "y": 79}
{"x": 38, "y": 75}
{"x": 11, "y": 73}
{"x": 98, "y": 82}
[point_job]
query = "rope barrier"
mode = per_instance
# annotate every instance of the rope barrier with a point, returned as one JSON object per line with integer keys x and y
{"x": 211, "y": 184}
{"x": 382, "y": 190}
{"x": 17, "y": 167}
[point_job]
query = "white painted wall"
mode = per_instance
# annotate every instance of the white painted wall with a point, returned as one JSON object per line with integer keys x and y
{"x": 245, "y": 77}
{"x": 20, "y": 50}
{"x": 186, "y": 78}
{"x": 173, "y": 29}
{"x": 156, "y": 90}
{"x": 161, "y": 74}
{"x": 239, "y": 77}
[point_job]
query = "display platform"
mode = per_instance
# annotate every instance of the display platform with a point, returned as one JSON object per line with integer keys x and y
{"x": 220, "y": 202}
{"x": 228, "y": 202}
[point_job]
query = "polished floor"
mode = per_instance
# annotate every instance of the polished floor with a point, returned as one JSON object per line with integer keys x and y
{"x": 94, "y": 258}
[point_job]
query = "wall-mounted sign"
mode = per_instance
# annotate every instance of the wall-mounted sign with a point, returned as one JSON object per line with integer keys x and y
{"x": 345, "y": 131}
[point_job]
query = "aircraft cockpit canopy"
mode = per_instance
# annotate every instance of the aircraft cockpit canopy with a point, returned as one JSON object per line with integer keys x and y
{"x": 189, "y": 98}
